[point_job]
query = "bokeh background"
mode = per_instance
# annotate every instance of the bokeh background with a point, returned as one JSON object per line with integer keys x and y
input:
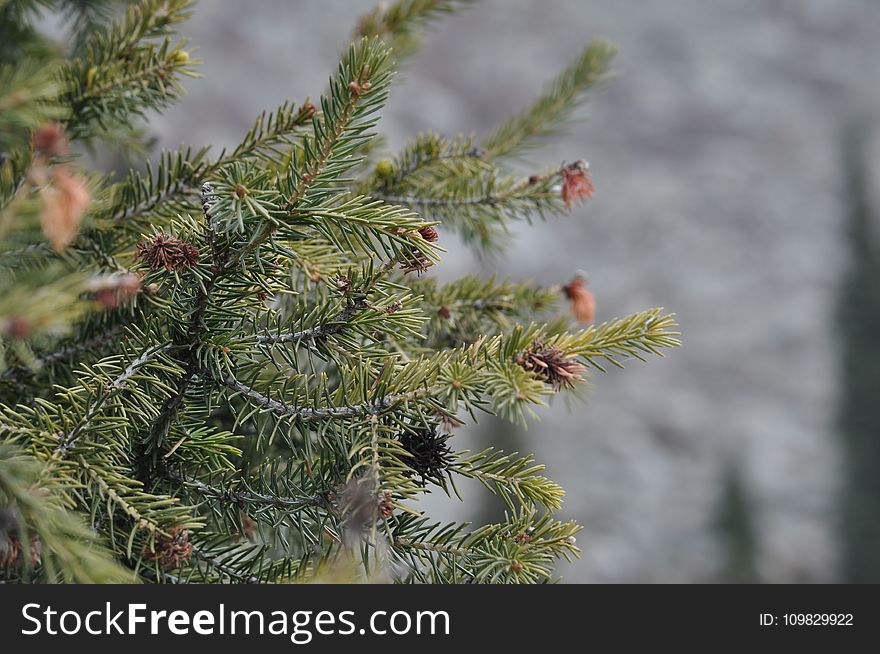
{"x": 731, "y": 157}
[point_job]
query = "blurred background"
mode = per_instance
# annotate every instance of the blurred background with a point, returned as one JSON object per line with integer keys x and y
{"x": 731, "y": 162}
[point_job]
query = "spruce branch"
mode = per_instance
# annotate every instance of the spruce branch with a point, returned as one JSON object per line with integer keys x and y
{"x": 406, "y": 543}
{"x": 84, "y": 18}
{"x": 341, "y": 131}
{"x": 367, "y": 225}
{"x": 249, "y": 499}
{"x": 66, "y": 353}
{"x": 66, "y": 441}
{"x": 520, "y": 550}
{"x": 479, "y": 201}
{"x": 508, "y": 475}
{"x": 68, "y": 550}
{"x": 471, "y": 306}
{"x": 546, "y": 115}
{"x": 306, "y": 414}
{"x": 400, "y": 24}
{"x": 109, "y": 490}
{"x": 168, "y": 183}
{"x": 336, "y": 325}
{"x": 272, "y": 370}
{"x": 635, "y": 336}
{"x": 195, "y": 325}
{"x": 124, "y": 72}
{"x": 215, "y": 560}
{"x": 173, "y": 183}
{"x": 28, "y": 99}
{"x": 221, "y": 566}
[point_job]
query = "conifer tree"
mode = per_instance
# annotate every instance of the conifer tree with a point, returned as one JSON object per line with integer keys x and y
{"x": 236, "y": 366}
{"x": 859, "y": 354}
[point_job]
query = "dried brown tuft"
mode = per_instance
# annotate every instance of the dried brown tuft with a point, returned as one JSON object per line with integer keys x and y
{"x": 50, "y": 140}
{"x": 167, "y": 251}
{"x": 172, "y": 550}
{"x": 549, "y": 363}
{"x": 113, "y": 290}
{"x": 450, "y": 423}
{"x": 386, "y": 505}
{"x": 18, "y": 327}
{"x": 10, "y": 542}
{"x": 343, "y": 283}
{"x": 582, "y": 301}
{"x": 249, "y": 526}
{"x": 419, "y": 263}
{"x": 65, "y": 201}
{"x": 577, "y": 183}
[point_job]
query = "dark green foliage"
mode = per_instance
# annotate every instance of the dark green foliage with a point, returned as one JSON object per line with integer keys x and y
{"x": 859, "y": 413}
{"x": 229, "y": 368}
{"x": 429, "y": 453}
{"x": 736, "y": 529}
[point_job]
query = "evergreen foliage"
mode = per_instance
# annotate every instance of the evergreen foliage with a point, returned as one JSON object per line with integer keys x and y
{"x": 232, "y": 367}
{"x": 859, "y": 418}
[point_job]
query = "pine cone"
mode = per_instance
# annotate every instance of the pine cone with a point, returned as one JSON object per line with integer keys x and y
{"x": 429, "y": 234}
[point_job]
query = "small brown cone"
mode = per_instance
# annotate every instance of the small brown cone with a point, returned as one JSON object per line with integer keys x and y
{"x": 65, "y": 201}
{"x": 172, "y": 550}
{"x": 10, "y": 551}
{"x": 429, "y": 234}
{"x": 550, "y": 364}
{"x": 50, "y": 140}
{"x": 167, "y": 251}
{"x": 249, "y": 526}
{"x": 577, "y": 183}
{"x": 582, "y": 301}
{"x": 386, "y": 505}
{"x": 18, "y": 327}
{"x": 113, "y": 290}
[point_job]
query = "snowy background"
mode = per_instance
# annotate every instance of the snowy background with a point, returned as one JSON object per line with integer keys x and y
{"x": 716, "y": 153}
